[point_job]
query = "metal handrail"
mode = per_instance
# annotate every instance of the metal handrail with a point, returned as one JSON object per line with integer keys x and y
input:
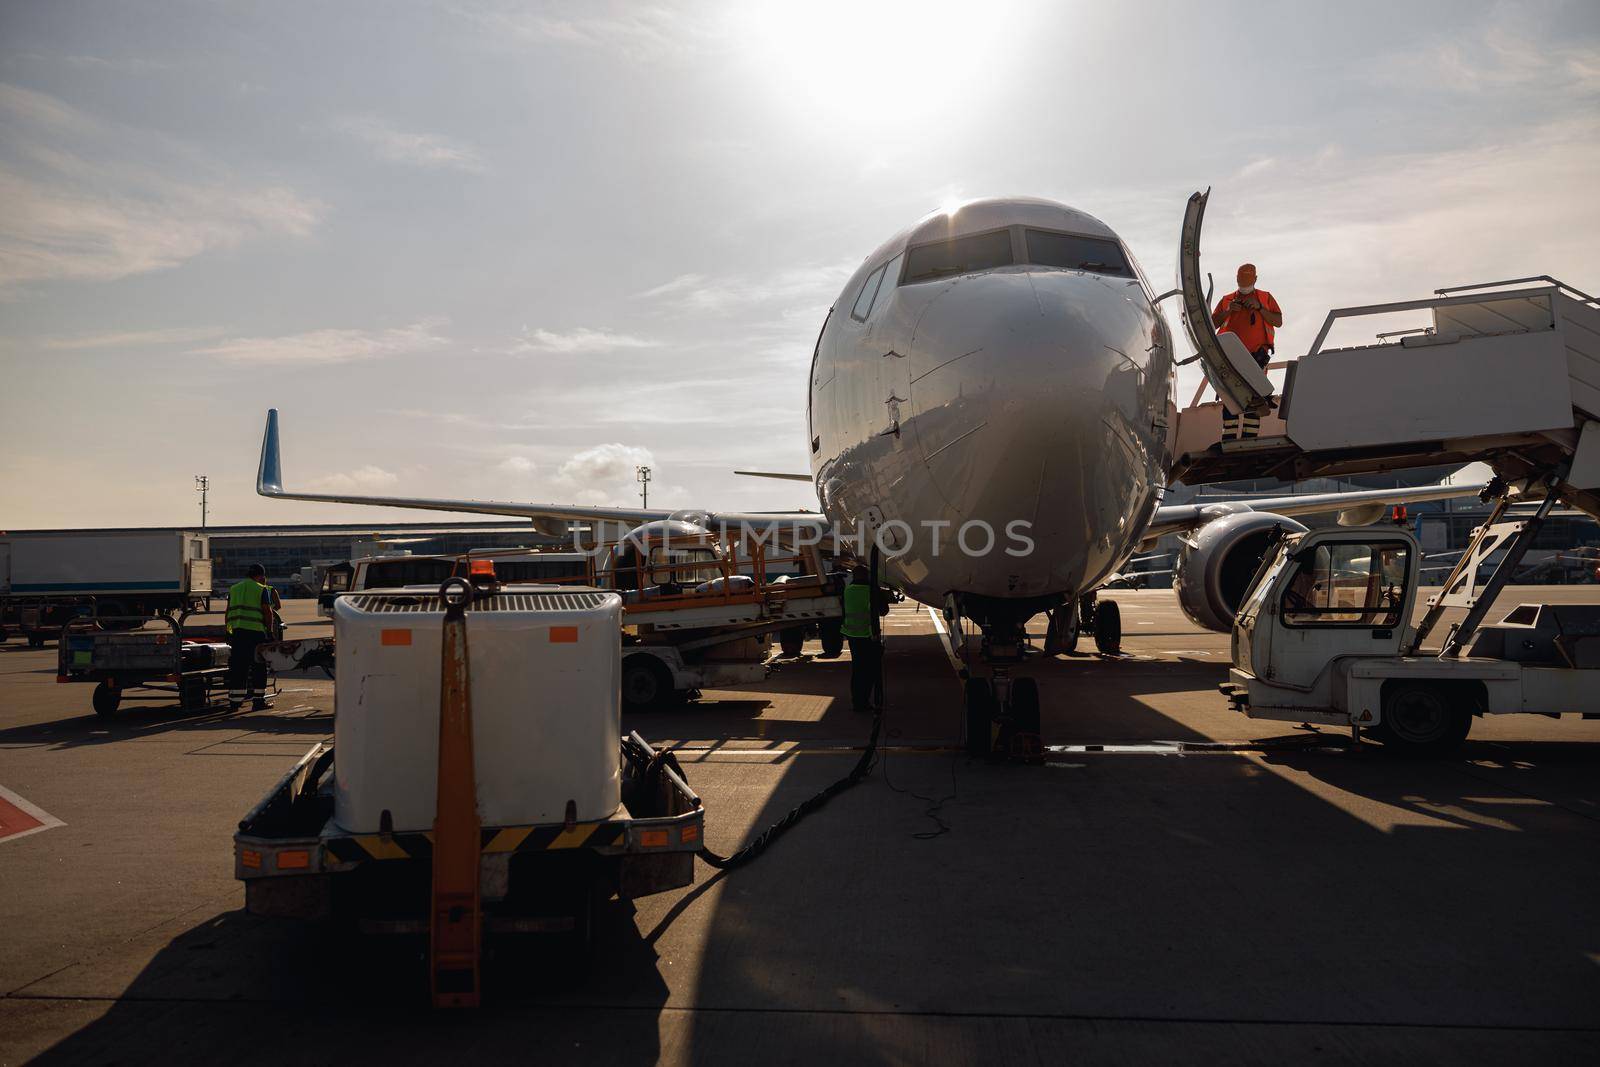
{"x": 1557, "y": 282}
{"x": 1402, "y": 305}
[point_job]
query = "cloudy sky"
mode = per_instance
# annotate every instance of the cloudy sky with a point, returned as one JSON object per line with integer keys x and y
{"x": 512, "y": 250}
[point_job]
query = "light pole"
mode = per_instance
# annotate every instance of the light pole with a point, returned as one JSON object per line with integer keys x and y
{"x": 201, "y": 485}
{"x": 642, "y": 476}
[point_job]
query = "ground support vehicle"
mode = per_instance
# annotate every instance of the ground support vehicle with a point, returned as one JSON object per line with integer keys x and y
{"x": 482, "y": 793}
{"x": 296, "y": 862}
{"x": 1324, "y": 636}
{"x": 48, "y": 577}
{"x": 177, "y": 657}
{"x": 398, "y": 570}
{"x": 700, "y": 613}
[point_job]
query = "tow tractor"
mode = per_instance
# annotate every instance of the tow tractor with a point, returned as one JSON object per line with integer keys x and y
{"x": 471, "y": 792}
{"x": 1324, "y": 635}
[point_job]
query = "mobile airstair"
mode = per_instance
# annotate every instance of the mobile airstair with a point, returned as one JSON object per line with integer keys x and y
{"x": 1506, "y": 373}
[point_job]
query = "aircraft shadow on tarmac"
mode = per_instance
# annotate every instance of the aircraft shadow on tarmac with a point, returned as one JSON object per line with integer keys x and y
{"x": 1157, "y": 888}
{"x": 1084, "y": 697}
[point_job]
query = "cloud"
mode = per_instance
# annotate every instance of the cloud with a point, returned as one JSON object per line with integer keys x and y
{"x": 580, "y": 339}
{"x": 804, "y": 287}
{"x": 131, "y": 338}
{"x": 634, "y": 31}
{"x": 519, "y": 465}
{"x": 332, "y": 346}
{"x": 428, "y": 150}
{"x": 605, "y": 466}
{"x": 1353, "y": 230}
{"x": 1495, "y": 57}
{"x": 87, "y": 200}
{"x": 362, "y": 479}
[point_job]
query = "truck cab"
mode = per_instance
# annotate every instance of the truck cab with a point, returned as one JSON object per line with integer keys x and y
{"x": 1325, "y": 635}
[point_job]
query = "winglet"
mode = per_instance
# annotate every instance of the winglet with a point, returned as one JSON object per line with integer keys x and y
{"x": 269, "y": 476}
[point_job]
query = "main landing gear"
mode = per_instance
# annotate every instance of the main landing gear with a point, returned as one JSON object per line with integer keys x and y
{"x": 1102, "y": 618}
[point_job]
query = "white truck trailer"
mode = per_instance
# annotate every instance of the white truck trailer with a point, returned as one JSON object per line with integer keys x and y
{"x": 48, "y": 576}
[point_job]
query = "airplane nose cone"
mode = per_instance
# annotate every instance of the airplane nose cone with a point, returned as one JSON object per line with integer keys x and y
{"x": 1033, "y": 395}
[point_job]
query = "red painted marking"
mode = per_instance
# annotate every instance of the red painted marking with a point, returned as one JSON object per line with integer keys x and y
{"x": 13, "y": 820}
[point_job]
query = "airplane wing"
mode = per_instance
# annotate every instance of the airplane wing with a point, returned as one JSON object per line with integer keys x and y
{"x": 1178, "y": 518}
{"x": 269, "y": 483}
{"x": 778, "y": 475}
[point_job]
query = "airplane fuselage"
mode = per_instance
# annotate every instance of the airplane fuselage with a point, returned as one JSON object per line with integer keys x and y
{"x": 947, "y": 401}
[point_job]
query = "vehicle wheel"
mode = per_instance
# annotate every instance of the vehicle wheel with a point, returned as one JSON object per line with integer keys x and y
{"x": 106, "y": 700}
{"x": 5, "y": 635}
{"x": 980, "y": 717}
{"x": 792, "y": 640}
{"x": 645, "y": 683}
{"x": 1062, "y": 635}
{"x": 1420, "y": 720}
{"x": 832, "y": 635}
{"x": 1086, "y": 606}
{"x": 192, "y": 694}
{"x": 1025, "y": 706}
{"x": 1108, "y": 628}
{"x": 36, "y": 640}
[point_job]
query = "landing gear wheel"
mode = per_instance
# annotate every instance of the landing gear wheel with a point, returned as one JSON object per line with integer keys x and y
{"x": 1025, "y": 743}
{"x": 1420, "y": 720}
{"x": 832, "y": 639}
{"x": 1086, "y": 606}
{"x": 980, "y": 717}
{"x": 645, "y": 683}
{"x": 792, "y": 641}
{"x": 105, "y": 700}
{"x": 1108, "y": 628}
{"x": 1061, "y": 636}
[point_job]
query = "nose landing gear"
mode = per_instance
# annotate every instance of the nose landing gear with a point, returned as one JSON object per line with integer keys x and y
{"x": 1002, "y": 712}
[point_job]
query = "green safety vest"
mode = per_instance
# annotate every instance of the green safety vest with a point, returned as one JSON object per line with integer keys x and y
{"x": 245, "y": 611}
{"x": 857, "y": 611}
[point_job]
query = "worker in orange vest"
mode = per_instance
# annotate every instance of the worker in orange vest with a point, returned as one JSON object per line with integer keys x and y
{"x": 1252, "y": 315}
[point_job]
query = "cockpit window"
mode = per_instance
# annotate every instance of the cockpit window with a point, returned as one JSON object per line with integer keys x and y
{"x": 963, "y": 255}
{"x": 1076, "y": 252}
{"x": 869, "y": 293}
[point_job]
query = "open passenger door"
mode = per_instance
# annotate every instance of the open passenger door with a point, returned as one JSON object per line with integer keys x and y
{"x": 1230, "y": 369}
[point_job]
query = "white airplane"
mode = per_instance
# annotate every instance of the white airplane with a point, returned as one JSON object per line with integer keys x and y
{"x": 998, "y": 364}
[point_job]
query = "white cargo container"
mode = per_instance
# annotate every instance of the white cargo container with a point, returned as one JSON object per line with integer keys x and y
{"x": 125, "y": 572}
{"x": 545, "y": 667}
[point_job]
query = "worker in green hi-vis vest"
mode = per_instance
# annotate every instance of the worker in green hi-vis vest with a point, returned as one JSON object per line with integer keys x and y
{"x": 866, "y": 652}
{"x": 252, "y": 619}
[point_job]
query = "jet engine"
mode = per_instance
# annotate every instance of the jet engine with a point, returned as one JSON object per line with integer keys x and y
{"x": 1217, "y": 562}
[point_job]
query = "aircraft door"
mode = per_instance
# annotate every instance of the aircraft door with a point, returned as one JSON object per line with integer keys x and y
{"x": 1230, "y": 369}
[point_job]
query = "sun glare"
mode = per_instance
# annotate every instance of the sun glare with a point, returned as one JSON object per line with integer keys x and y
{"x": 863, "y": 66}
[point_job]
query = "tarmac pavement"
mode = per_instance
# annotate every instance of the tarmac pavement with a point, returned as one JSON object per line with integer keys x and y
{"x": 1135, "y": 902}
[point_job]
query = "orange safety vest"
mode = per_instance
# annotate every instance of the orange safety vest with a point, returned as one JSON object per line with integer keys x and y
{"x": 1252, "y": 329}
